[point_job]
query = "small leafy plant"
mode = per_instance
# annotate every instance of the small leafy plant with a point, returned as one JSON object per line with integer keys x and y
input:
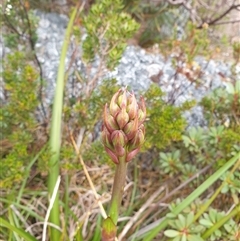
{"x": 184, "y": 229}
{"x": 107, "y": 31}
{"x": 16, "y": 118}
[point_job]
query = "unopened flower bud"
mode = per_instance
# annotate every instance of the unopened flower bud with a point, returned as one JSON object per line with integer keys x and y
{"x": 106, "y": 138}
{"x": 142, "y": 111}
{"x": 142, "y": 127}
{"x": 132, "y": 154}
{"x": 122, "y": 98}
{"x": 109, "y": 121}
{"x": 123, "y": 130}
{"x": 137, "y": 141}
{"x": 130, "y": 129}
{"x": 119, "y": 141}
{"x": 114, "y": 108}
{"x": 132, "y": 107}
{"x": 112, "y": 155}
{"x": 122, "y": 118}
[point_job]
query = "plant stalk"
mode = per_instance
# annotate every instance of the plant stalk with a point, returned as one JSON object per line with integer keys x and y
{"x": 109, "y": 227}
{"x": 118, "y": 188}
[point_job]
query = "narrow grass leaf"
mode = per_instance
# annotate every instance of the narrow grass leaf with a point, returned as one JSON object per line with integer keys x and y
{"x": 26, "y": 236}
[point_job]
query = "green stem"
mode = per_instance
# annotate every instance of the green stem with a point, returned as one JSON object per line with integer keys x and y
{"x": 118, "y": 188}
{"x": 109, "y": 225}
{"x": 55, "y": 133}
{"x": 131, "y": 205}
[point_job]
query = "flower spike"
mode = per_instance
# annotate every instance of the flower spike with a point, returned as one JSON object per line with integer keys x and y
{"x": 123, "y": 130}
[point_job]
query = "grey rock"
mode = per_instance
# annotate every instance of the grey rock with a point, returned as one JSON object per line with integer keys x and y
{"x": 137, "y": 68}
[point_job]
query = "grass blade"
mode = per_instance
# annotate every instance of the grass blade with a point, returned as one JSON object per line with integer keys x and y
{"x": 55, "y": 133}
{"x": 19, "y": 231}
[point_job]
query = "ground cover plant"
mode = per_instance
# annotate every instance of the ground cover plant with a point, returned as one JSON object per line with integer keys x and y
{"x": 57, "y": 171}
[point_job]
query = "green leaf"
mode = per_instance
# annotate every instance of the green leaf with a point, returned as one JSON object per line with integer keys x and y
{"x": 19, "y": 231}
{"x": 225, "y": 189}
{"x": 206, "y": 222}
{"x": 171, "y": 215}
{"x": 194, "y": 238}
{"x": 179, "y": 225}
{"x": 198, "y": 229}
{"x": 163, "y": 156}
{"x": 190, "y": 218}
{"x": 184, "y": 237}
{"x": 228, "y": 227}
{"x": 56, "y": 130}
{"x": 230, "y": 88}
{"x": 218, "y": 233}
{"x": 109, "y": 229}
{"x": 178, "y": 238}
{"x": 213, "y": 215}
{"x": 237, "y": 87}
{"x": 171, "y": 233}
{"x": 186, "y": 140}
{"x": 182, "y": 220}
{"x": 176, "y": 154}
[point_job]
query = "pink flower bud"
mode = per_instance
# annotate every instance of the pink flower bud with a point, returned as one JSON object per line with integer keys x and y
{"x": 106, "y": 138}
{"x": 137, "y": 141}
{"x": 142, "y": 111}
{"x": 132, "y": 154}
{"x": 119, "y": 151}
{"x": 142, "y": 127}
{"x": 114, "y": 108}
{"x": 109, "y": 121}
{"x": 122, "y": 118}
{"x": 132, "y": 107}
{"x": 119, "y": 141}
{"x": 122, "y": 98}
{"x": 112, "y": 155}
{"x": 119, "y": 138}
{"x": 123, "y": 130}
{"x": 130, "y": 129}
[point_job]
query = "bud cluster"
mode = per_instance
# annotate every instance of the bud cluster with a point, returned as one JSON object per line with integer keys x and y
{"x": 123, "y": 130}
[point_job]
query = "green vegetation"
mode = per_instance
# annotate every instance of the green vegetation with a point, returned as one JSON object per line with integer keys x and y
{"x": 184, "y": 183}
